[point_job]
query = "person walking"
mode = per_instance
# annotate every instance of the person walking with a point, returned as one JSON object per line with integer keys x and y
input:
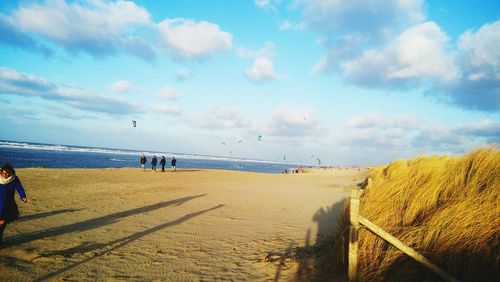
{"x": 153, "y": 163}
{"x": 163, "y": 162}
{"x": 9, "y": 184}
{"x": 143, "y": 161}
{"x": 174, "y": 162}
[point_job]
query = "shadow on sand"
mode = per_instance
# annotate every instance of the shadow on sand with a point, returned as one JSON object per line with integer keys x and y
{"x": 91, "y": 223}
{"x": 98, "y": 250}
{"x": 314, "y": 261}
{"x": 44, "y": 214}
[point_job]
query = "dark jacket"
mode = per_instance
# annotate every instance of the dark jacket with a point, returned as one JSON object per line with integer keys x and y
{"x": 162, "y": 161}
{"x": 143, "y": 160}
{"x": 174, "y": 161}
{"x": 154, "y": 160}
{"x": 8, "y": 207}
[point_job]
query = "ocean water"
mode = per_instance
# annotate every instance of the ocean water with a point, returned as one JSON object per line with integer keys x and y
{"x": 25, "y": 154}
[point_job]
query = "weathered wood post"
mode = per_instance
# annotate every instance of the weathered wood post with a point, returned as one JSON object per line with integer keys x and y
{"x": 353, "y": 235}
{"x": 406, "y": 249}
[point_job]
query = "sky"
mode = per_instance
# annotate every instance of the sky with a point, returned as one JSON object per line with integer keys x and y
{"x": 348, "y": 82}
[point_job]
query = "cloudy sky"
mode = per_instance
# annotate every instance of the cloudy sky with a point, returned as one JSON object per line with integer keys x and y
{"x": 348, "y": 81}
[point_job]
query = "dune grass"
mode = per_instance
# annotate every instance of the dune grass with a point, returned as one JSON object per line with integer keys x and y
{"x": 445, "y": 208}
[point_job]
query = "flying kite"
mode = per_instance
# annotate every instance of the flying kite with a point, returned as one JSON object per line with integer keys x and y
{"x": 319, "y": 161}
{"x": 259, "y": 137}
{"x": 134, "y": 123}
{"x": 240, "y": 141}
{"x": 223, "y": 143}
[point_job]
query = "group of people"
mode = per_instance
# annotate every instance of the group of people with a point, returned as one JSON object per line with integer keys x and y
{"x": 154, "y": 162}
{"x": 9, "y": 184}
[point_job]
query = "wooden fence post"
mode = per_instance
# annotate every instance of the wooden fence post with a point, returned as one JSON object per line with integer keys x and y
{"x": 406, "y": 249}
{"x": 356, "y": 219}
{"x": 353, "y": 235}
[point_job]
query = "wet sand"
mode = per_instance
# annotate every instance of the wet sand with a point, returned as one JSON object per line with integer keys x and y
{"x": 191, "y": 225}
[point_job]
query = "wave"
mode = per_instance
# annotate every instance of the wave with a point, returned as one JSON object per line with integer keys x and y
{"x": 69, "y": 148}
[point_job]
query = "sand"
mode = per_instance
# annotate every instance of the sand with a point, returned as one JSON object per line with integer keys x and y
{"x": 191, "y": 225}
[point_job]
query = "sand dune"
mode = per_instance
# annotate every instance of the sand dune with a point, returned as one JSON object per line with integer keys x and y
{"x": 192, "y": 225}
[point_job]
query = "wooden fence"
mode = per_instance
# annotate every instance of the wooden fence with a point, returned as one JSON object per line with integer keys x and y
{"x": 357, "y": 220}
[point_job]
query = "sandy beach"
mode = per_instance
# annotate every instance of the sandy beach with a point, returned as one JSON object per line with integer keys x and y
{"x": 192, "y": 225}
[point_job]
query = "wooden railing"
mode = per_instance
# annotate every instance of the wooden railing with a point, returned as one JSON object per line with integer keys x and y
{"x": 357, "y": 220}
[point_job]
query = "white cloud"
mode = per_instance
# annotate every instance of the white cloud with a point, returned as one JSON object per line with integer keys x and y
{"x": 358, "y": 16}
{"x": 101, "y": 28}
{"x": 263, "y": 3}
{"x": 440, "y": 139}
{"x": 22, "y": 84}
{"x": 421, "y": 54}
{"x": 13, "y": 82}
{"x": 262, "y": 70}
{"x": 169, "y": 93}
{"x": 184, "y": 75}
{"x": 11, "y": 35}
{"x": 263, "y": 65}
{"x": 371, "y": 138}
{"x": 292, "y": 122}
{"x": 371, "y": 120}
{"x": 285, "y": 123}
{"x": 66, "y": 22}
{"x": 121, "y": 86}
{"x": 485, "y": 128}
{"x": 167, "y": 109}
{"x": 189, "y": 39}
{"x": 379, "y": 121}
{"x": 287, "y": 25}
{"x": 97, "y": 27}
{"x": 408, "y": 133}
{"x": 347, "y": 28}
{"x": 267, "y": 51}
{"x": 415, "y": 57}
{"x": 268, "y": 4}
{"x": 481, "y": 47}
{"x": 223, "y": 118}
{"x": 375, "y": 131}
{"x": 381, "y": 43}
{"x": 388, "y": 44}
{"x": 479, "y": 58}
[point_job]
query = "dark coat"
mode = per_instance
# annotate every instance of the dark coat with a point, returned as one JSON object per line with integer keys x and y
{"x": 162, "y": 161}
{"x": 8, "y": 207}
{"x": 154, "y": 160}
{"x": 143, "y": 160}
{"x": 174, "y": 161}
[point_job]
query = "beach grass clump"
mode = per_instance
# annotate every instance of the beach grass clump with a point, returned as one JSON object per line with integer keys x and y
{"x": 446, "y": 208}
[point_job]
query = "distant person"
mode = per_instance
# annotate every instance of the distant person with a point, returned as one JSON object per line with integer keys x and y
{"x": 143, "y": 161}
{"x": 9, "y": 183}
{"x": 174, "y": 163}
{"x": 153, "y": 163}
{"x": 162, "y": 162}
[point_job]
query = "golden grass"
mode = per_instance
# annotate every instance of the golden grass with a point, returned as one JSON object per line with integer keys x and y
{"x": 445, "y": 208}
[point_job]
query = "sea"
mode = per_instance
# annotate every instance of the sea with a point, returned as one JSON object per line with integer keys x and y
{"x": 27, "y": 154}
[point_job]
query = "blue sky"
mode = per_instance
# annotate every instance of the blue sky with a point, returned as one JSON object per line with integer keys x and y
{"x": 349, "y": 82}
